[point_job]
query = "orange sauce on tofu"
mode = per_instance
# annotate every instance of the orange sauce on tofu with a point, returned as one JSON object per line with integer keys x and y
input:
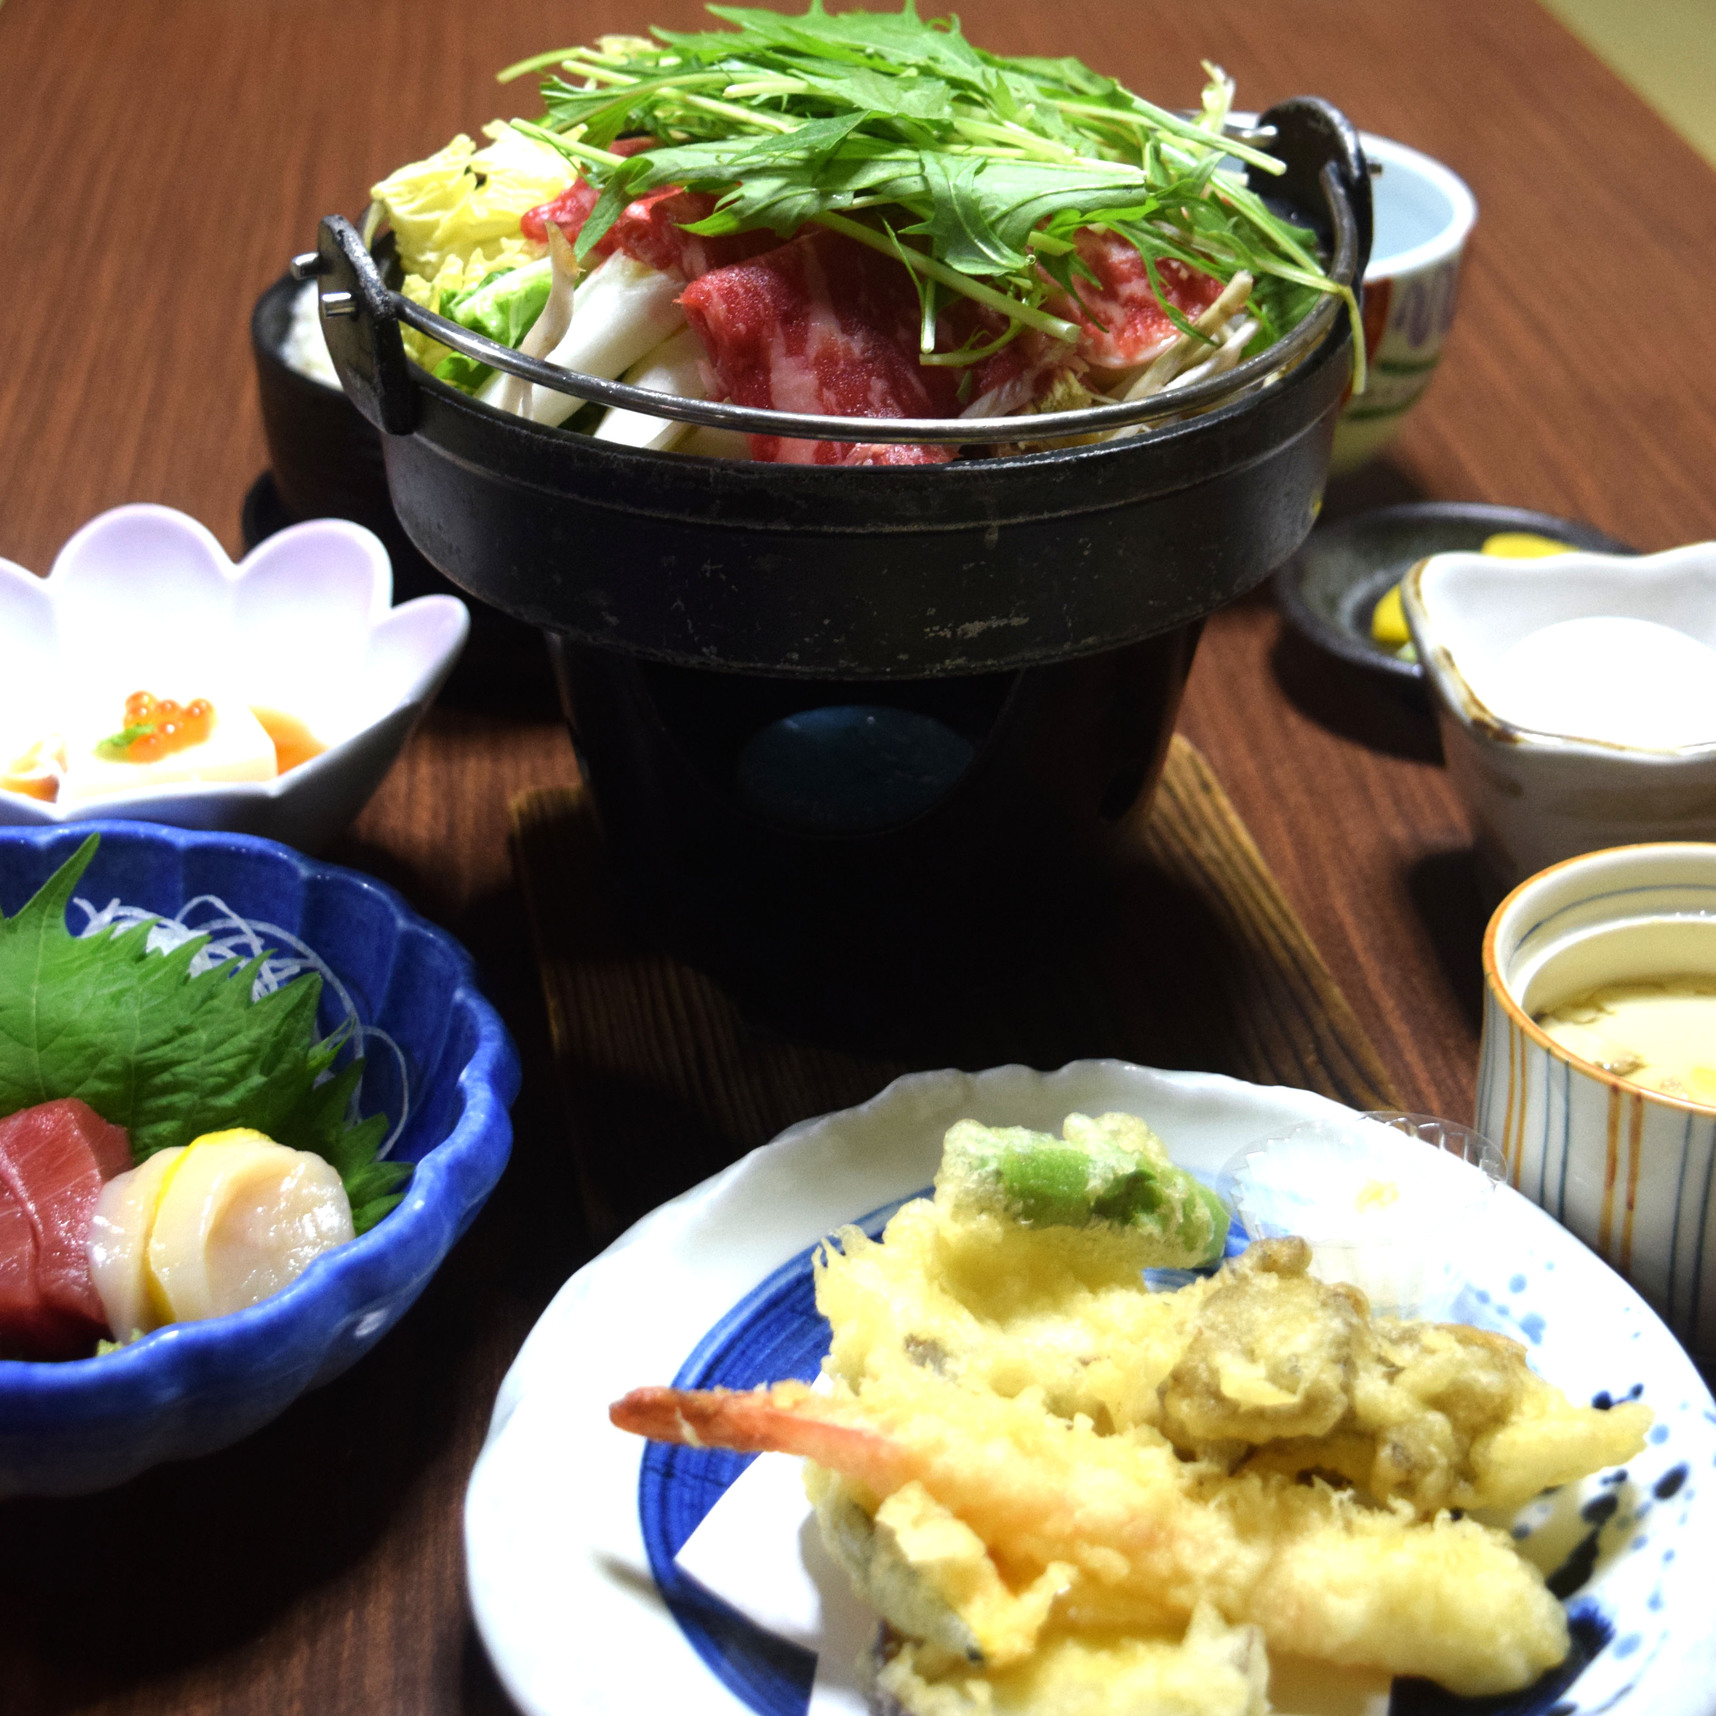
{"x": 294, "y": 743}
{"x": 44, "y": 787}
{"x": 35, "y": 774}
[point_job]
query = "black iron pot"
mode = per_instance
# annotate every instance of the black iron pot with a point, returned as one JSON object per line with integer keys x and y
{"x": 818, "y": 888}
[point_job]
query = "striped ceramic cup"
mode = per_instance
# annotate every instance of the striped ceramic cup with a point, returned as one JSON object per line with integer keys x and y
{"x": 1630, "y": 1171}
{"x": 1424, "y": 215}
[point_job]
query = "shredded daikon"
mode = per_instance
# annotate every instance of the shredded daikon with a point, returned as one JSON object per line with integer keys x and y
{"x": 233, "y": 937}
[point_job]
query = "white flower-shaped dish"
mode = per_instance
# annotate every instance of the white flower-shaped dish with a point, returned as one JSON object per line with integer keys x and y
{"x": 144, "y": 597}
{"x": 1538, "y": 797}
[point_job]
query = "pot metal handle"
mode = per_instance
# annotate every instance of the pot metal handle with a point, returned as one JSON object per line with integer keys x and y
{"x": 1314, "y": 139}
{"x": 361, "y": 322}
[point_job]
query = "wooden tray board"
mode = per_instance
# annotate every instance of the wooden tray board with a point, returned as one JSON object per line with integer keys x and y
{"x": 1206, "y": 966}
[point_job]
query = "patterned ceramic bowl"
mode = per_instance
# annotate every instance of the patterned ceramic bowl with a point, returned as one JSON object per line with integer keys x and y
{"x": 1630, "y": 1171}
{"x": 1424, "y": 215}
{"x": 191, "y": 1388}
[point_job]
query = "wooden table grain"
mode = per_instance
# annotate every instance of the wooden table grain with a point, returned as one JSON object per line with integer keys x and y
{"x": 160, "y": 160}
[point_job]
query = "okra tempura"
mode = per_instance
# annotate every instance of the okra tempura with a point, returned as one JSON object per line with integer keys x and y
{"x": 858, "y": 215}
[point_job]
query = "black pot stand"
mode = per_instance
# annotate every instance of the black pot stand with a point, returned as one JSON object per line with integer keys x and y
{"x": 843, "y": 856}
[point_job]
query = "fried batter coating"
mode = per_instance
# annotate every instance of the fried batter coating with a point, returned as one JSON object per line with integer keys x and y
{"x": 1283, "y": 1373}
{"x": 929, "y": 1575}
{"x": 995, "y": 1308}
{"x": 1261, "y": 1365}
{"x": 1104, "y": 1199}
{"x": 1033, "y": 1467}
{"x": 1140, "y": 1537}
{"x": 1214, "y": 1670}
{"x": 1272, "y": 1354}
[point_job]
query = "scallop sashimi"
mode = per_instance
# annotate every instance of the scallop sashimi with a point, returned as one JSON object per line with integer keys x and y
{"x": 118, "y": 1242}
{"x": 211, "y": 1228}
{"x": 241, "y": 1218}
{"x": 154, "y": 1039}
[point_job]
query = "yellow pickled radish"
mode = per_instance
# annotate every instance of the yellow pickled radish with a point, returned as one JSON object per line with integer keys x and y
{"x": 1388, "y": 621}
{"x": 118, "y": 1243}
{"x": 241, "y": 1218}
{"x": 1388, "y": 618}
{"x": 1523, "y": 545}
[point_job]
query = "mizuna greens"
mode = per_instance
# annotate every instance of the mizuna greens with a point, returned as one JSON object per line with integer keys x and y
{"x": 853, "y": 215}
{"x": 975, "y": 170}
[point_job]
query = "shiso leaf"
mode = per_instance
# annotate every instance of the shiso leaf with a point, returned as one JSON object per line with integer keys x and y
{"x": 169, "y": 1056}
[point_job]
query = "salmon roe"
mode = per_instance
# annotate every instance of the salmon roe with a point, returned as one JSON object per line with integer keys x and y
{"x": 168, "y": 727}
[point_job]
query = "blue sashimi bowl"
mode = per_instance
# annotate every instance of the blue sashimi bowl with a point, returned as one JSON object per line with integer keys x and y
{"x": 190, "y": 1388}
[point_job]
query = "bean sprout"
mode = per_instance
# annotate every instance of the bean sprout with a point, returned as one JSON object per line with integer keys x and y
{"x": 233, "y": 937}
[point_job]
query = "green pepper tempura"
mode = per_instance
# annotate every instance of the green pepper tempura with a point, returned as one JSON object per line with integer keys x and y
{"x": 1111, "y": 1173}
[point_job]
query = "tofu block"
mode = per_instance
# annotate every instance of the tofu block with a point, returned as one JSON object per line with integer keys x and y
{"x": 237, "y": 749}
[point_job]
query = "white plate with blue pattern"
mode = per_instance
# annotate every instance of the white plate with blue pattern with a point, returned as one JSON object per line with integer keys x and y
{"x": 571, "y": 1526}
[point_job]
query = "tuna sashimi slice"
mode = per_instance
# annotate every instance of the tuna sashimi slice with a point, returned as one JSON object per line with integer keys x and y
{"x": 823, "y": 325}
{"x": 1123, "y": 321}
{"x": 20, "y": 1302}
{"x": 30, "y": 1327}
{"x": 53, "y": 1160}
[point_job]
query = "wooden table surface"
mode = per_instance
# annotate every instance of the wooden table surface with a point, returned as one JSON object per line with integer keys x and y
{"x": 162, "y": 159}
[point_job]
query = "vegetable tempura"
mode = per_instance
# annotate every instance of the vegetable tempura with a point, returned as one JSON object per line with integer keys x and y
{"x": 1041, "y": 1474}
